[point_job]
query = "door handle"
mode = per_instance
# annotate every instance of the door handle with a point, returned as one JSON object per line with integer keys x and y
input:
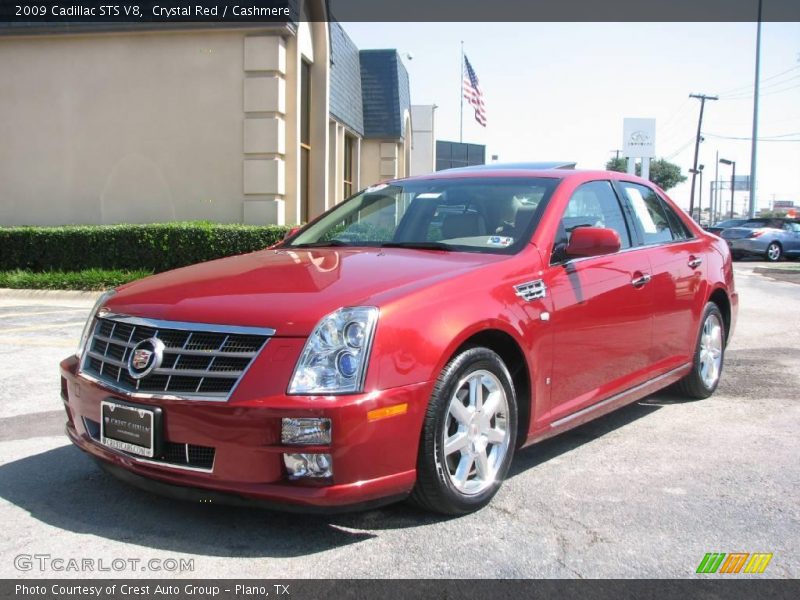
{"x": 640, "y": 281}
{"x": 695, "y": 262}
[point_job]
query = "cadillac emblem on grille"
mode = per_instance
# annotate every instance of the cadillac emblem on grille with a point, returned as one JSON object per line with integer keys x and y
{"x": 145, "y": 357}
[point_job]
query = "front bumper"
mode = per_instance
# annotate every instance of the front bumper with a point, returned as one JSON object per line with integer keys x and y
{"x": 372, "y": 460}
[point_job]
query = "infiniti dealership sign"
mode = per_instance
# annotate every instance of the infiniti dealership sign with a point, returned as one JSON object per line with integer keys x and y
{"x": 639, "y": 138}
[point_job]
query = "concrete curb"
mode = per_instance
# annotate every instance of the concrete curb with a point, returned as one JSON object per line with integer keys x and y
{"x": 48, "y": 295}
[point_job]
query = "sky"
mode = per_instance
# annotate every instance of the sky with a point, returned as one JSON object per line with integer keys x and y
{"x": 560, "y": 91}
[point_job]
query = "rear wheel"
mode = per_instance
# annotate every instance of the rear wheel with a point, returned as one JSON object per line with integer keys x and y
{"x": 709, "y": 355}
{"x": 468, "y": 436}
{"x": 774, "y": 252}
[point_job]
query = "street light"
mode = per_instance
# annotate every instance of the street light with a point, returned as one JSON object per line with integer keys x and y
{"x": 732, "y": 163}
{"x": 699, "y": 171}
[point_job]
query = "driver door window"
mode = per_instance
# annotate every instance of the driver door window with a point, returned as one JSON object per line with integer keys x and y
{"x": 593, "y": 204}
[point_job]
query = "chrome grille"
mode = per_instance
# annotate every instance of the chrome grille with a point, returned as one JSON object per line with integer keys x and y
{"x": 199, "y": 361}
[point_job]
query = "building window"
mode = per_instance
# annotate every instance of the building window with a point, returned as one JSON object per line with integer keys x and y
{"x": 349, "y": 144}
{"x": 305, "y": 138}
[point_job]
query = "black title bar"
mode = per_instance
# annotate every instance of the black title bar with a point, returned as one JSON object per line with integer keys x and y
{"x": 396, "y": 589}
{"x": 31, "y": 13}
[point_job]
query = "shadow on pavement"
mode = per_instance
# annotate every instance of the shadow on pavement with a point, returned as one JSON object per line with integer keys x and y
{"x": 574, "y": 438}
{"x": 64, "y": 488}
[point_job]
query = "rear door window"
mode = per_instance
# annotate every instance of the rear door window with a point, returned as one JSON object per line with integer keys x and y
{"x": 656, "y": 220}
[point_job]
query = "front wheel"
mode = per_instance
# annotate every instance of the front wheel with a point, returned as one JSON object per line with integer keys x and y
{"x": 468, "y": 436}
{"x": 774, "y": 252}
{"x": 709, "y": 355}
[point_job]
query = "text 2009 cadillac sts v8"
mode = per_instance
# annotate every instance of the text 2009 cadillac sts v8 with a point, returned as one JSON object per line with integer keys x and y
{"x": 406, "y": 342}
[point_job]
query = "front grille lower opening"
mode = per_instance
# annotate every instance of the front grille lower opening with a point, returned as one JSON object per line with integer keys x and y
{"x": 172, "y": 453}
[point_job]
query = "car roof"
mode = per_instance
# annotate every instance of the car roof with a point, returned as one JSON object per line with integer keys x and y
{"x": 515, "y": 171}
{"x": 773, "y": 219}
{"x": 528, "y": 166}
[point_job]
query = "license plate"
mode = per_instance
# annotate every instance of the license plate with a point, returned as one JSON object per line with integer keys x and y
{"x": 128, "y": 428}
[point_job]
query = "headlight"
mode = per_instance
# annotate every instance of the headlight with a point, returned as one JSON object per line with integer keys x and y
{"x": 334, "y": 359}
{"x": 87, "y": 329}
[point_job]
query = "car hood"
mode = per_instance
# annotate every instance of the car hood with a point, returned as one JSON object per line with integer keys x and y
{"x": 288, "y": 290}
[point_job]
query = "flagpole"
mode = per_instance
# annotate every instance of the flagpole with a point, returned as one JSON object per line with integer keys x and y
{"x": 461, "y": 119}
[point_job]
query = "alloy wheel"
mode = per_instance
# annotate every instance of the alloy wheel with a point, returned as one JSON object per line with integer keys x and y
{"x": 711, "y": 351}
{"x": 773, "y": 252}
{"x": 476, "y": 432}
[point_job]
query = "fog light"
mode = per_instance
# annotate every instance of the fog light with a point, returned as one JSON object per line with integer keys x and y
{"x": 306, "y": 431}
{"x": 316, "y": 466}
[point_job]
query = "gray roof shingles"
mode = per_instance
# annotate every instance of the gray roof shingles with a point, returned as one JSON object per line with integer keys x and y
{"x": 345, "y": 83}
{"x": 385, "y": 94}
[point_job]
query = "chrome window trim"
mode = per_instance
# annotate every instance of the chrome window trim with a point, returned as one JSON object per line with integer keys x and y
{"x": 179, "y": 325}
{"x": 625, "y": 251}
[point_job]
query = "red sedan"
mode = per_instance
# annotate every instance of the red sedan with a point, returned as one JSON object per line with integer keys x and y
{"x": 405, "y": 343}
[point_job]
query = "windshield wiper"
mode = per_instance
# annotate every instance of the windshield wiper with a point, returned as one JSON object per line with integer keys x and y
{"x": 418, "y": 245}
{"x": 321, "y": 244}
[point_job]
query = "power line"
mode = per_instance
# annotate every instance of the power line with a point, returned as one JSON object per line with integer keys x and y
{"x": 677, "y": 113}
{"x": 779, "y": 138}
{"x": 750, "y": 86}
{"x": 770, "y": 93}
{"x": 770, "y": 90}
{"x": 766, "y": 137}
{"x": 681, "y": 149}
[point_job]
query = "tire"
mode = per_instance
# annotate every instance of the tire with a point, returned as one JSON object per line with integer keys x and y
{"x": 774, "y": 252}
{"x": 703, "y": 379}
{"x": 463, "y": 475}
{"x": 736, "y": 256}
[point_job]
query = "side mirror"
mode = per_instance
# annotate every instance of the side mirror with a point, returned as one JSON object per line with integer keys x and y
{"x": 592, "y": 241}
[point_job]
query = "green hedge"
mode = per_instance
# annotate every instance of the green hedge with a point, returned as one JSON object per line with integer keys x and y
{"x": 156, "y": 247}
{"x": 90, "y": 279}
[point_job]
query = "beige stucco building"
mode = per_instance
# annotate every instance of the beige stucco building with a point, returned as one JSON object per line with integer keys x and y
{"x": 267, "y": 124}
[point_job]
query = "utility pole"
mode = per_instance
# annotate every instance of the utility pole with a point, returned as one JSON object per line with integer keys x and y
{"x": 616, "y": 152}
{"x": 702, "y": 98}
{"x": 753, "y": 147}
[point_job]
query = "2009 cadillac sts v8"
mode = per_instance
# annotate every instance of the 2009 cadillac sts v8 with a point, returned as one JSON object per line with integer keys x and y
{"x": 405, "y": 343}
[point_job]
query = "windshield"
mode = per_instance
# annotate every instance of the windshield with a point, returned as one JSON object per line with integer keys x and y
{"x": 758, "y": 224}
{"x": 468, "y": 215}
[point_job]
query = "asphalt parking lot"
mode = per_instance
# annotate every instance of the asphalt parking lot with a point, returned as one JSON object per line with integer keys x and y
{"x": 644, "y": 492}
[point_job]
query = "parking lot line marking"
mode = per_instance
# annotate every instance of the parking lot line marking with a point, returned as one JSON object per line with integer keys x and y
{"x": 44, "y": 342}
{"x": 40, "y": 327}
{"x": 48, "y": 312}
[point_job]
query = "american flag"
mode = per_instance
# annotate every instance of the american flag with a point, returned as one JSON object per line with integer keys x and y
{"x": 472, "y": 92}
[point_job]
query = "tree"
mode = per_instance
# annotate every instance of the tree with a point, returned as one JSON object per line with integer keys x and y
{"x": 663, "y": 173}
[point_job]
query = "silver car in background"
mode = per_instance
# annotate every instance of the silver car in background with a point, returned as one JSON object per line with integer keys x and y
{"x": 772, "y": 239}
